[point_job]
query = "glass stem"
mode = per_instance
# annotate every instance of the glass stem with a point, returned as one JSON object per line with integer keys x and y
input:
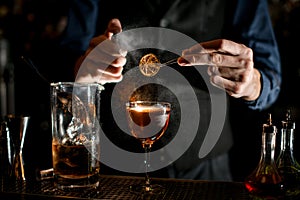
{"x": 147, "y": 148}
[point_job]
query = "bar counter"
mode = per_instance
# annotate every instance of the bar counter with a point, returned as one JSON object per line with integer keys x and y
{"x": 117, "y": 187}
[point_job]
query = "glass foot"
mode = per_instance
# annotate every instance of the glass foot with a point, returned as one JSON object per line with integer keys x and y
{"x": 154, "y": 189}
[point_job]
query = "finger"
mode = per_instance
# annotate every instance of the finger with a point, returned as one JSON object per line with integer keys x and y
{"x": 107, "y": 52}
{"x": 219, "y": 45}
{"x": 232, "y": 74}
{"x": 226, "y": 46}
{"x": 235, "y": 74}
{"x": 113, "y": 69}
{"x": 102, "y": 55}
{"x": 213, "y": 70}
{"x": 100, "y": 78}
{"x": 90, "y": 72}
{"x": 233, "y": 88}
{"x": 114, "y": 27}
{"x": 110, "y": 75}
{"x": 96, "y": 40}
{"x": 195, "y": 59}
{"x": 217, "y": 81}
{"x": 198, "y": 48}
{"x": 218, "y": 59}
{"x": 109, "y": 79}
{"x": 234, "y": 61}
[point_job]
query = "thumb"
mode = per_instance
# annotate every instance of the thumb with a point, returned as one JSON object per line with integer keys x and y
{"x": 114, "y": 27}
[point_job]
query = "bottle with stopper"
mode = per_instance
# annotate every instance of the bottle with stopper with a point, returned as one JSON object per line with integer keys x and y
{"x": 265, "y": 181}
{"x": 287, "y": 165}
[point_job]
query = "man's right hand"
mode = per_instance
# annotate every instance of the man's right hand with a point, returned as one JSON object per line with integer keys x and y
{"x": 104, "y": 60}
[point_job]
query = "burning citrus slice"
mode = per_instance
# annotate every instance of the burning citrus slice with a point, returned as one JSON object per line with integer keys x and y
{"x": 149, "y": 65}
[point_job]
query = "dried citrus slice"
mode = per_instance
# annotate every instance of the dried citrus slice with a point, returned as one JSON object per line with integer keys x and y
{"x": 149, "y": 65}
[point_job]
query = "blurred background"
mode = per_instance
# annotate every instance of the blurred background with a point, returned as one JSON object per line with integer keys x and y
{"x": 29, "y": 35}
{"x": 31, "y": 29}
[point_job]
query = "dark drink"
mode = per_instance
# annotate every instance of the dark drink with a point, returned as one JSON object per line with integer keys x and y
{"x": 148, "y": 123}
{"x": 75, "y": 108}
{"x": 265, "y": 182}
{"x": 74, "y": 165}
{"x": 291, "y": 177}
{"x": 264, "y": 188}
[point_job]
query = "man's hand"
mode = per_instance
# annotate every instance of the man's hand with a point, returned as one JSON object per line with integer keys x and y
{"x": 104, "y": 60}
{"x": 231, "y": 66}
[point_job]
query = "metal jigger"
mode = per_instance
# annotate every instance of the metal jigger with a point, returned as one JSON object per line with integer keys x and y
{"x": 15, "y": 131}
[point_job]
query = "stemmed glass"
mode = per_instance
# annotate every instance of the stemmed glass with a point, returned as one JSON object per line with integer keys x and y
{"x": 148, "y": 121}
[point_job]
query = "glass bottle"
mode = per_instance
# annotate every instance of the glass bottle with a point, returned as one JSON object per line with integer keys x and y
{"x": 265, "y": 182}
{"x": 288, "y": 167}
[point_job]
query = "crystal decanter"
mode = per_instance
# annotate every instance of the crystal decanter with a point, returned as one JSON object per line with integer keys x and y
{"x": 287, "y": 165}
{"x": 265, "y": 181}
